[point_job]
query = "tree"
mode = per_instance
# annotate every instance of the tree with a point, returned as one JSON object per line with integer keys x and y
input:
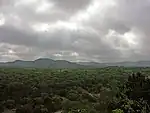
{"x": 133, "y": 95}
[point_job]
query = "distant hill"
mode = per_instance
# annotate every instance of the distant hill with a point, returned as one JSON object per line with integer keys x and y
{"x": 93, "y": 64}
{"x": 123, "y": 64}
{"x": 42, "y": 63}
{"x": 49, "y": 63}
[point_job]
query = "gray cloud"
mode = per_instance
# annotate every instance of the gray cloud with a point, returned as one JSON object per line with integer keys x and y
{"x": 104, "y": 31}
{"x": 71, "y": 5}
{"x": 15, "y": 36}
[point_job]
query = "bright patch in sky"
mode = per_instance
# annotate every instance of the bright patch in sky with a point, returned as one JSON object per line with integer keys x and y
{"x": 11, "y": 51}
{"x": 130, "y": 38}
{"x": 58, "y": 55}
{"x": 67, "y": 25}
{"x": 74, "y": 54}
{"x": 116, "y": 38}
{"x": 96, "y": 7}
{"x": 44, "y": 6}
{"x": 41, "y": 27}
{"x": 45, "y": 27}
{"x": 2, "y": 20}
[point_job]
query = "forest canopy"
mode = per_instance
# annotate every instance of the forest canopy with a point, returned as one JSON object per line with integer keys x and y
{"x": 105, "y": 90}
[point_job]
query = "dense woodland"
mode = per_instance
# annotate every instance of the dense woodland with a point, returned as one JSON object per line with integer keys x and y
{"x": 105, "y": 90}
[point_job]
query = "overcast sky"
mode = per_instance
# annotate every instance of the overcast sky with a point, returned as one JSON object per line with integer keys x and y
{"x": 75, "y": 30}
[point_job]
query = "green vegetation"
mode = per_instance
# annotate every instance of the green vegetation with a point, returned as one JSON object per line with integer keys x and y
{"x": 105, "y": 90}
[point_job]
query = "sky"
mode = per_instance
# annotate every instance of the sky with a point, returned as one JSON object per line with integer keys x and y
{"x": 75, "y": 30}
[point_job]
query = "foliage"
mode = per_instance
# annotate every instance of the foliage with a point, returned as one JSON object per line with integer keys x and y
{"x": 105, "y": 90}
{"x": 133, "y": 95}
{"x": 117, "y": 111}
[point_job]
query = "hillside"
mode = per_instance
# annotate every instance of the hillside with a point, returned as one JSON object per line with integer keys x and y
{"x": 49, "y": 63}
{"x": 42, "y": 63}
{"x": 123, "y": 64}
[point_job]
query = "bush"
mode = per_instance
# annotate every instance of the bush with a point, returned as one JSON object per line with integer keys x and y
{"x": 24, "y": 109}
{"x": 10, "y": 104}
{"x": 117, "y": 111}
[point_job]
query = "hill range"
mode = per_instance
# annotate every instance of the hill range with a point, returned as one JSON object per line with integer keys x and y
{"x": 49, "y": 63}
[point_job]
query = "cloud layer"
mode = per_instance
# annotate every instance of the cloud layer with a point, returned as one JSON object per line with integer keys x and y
{"x": 76, "y": 30}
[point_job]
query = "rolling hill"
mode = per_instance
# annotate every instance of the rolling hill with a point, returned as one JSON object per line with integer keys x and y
{"x": 42, "y": 63}
{"x": 49, "y": 63}
{"x": 119, "y": 64}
